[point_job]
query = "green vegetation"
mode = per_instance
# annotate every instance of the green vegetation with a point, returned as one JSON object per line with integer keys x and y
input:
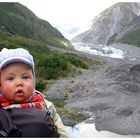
{"x": 56, "y": 65}
{"x": 132, "y": 37}
{"x": 18, "y": 20}
{"x": 58, "y": 102}
{"x": 70, "y": 117}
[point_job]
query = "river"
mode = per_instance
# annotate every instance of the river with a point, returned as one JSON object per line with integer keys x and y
{"x": 88, "y": 130}
{"x": 100, "y": 50}
{"x": 118, "y": 50}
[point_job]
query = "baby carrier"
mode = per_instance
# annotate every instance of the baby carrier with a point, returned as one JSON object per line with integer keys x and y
{"x": 26, "y": 122}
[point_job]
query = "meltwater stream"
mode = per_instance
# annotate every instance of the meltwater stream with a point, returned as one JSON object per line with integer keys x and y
{"x": 88, "y": 130}
{"x": 118, "y": 50}
{"x": 100, "y": 50}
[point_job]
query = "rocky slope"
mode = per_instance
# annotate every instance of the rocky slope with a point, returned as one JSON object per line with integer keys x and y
{"x": 109, "y": 93}
{"x": 111, "y": 24}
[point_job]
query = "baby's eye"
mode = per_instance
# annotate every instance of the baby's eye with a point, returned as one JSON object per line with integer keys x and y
{"x": 26, "y": 77}
{"x": 10, "y": 78}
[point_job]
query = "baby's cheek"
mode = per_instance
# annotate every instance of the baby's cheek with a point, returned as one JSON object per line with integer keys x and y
{"x": 6, "y": 92}
{"x": 30, "y": 88}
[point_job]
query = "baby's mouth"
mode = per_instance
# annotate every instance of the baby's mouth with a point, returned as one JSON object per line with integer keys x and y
{"x": 20, "y": 93}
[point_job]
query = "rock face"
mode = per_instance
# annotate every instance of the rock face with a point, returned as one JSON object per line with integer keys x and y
{"x": 110, "y": 23}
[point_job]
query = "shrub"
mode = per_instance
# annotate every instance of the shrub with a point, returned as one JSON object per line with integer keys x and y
{"x": 41, "y": 85}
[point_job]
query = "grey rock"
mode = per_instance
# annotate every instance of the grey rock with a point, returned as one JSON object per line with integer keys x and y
{"x": 109, "y": 93}
{"x": 110, "y": 24}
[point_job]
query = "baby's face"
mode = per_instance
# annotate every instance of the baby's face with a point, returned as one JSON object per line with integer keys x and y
{"x": 17, "y": 82}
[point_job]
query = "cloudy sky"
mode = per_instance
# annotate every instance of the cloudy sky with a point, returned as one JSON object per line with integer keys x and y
{"x": 69, "y": 16}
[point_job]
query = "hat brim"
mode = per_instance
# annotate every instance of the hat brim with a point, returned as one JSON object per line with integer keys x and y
{"x": 15, "y": 59}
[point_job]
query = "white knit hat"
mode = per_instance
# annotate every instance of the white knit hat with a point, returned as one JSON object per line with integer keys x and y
{"x": 8, "y": 56}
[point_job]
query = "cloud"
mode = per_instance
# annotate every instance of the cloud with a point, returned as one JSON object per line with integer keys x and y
{"x": 69, "y": 16}
{"x": 69, "y": 30}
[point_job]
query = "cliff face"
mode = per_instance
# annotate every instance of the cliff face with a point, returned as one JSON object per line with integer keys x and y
{"x": 110, "y": 24}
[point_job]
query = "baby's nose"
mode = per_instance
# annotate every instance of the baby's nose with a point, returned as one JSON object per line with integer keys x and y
{"x": 19, "y": 82}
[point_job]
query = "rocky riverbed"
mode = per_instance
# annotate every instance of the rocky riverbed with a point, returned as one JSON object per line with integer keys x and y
{"x": 109, "y": 93}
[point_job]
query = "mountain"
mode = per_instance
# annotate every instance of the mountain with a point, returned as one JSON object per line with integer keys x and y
{"x": 114, "y": 24}
{"x": 18, "y": 20}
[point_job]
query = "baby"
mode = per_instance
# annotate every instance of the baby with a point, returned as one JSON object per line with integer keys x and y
{"x": 17, "y": 86}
